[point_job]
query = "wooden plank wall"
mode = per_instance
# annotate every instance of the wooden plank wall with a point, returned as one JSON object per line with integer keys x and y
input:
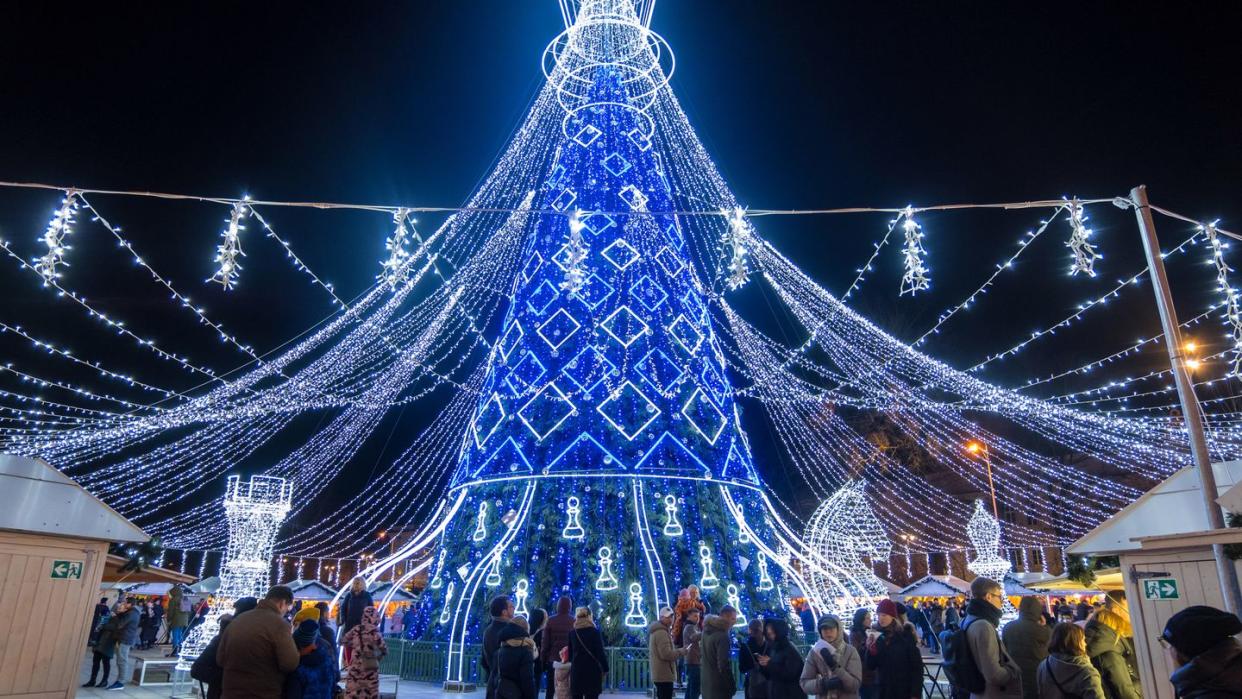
{"x": 44, "y": 622}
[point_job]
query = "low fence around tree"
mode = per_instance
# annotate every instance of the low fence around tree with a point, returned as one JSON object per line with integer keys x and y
{"x": 425, "y": 661}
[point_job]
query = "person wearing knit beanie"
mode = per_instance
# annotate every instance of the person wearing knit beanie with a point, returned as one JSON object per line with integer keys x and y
{"x": 1201, "y": 643}
{"x": 887, "y": 607}
{"x": 306, "y": 633}
{"x": 305, "y": 613}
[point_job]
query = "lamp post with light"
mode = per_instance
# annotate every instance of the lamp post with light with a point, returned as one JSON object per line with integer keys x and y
{"x": 976, "y": 447}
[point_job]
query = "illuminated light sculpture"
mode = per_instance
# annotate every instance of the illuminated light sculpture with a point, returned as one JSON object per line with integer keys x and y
{"x": 254, "y": 510}
{"x": 573, "y": 529}
{"x": 55, "y": 238}
{"x": 606, "y": 580}
{"x": 445, "y": 613}
{"x": 984, "y": 532}
{"x": 708, "y": 581}
{"x": 228, "y": 268}
{"x": 915, "y": 278}
{"x": 635, "y": 617}
{"x": 437, "y": 577}
{"x": 844, "y": 530}
{"x": 765, "y": 579}
{"x": 671, "y": 526}
{"x": 493, "y": 574}
{"x": 735, "y": 601}
{"x": 520, "y": 592}
{"x": 1231, "y": 315}
{"x": 396, "y": 268}
{"x": 575, "y": 258}
{"x": 480, "y": 526}
{"x": 1084, "y": 254}
{"x": 734, "y": 245}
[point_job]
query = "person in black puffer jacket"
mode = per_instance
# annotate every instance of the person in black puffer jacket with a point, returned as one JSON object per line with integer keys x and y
{"x": 1112, "y": 653}
{"x": 894, "y": 657}
{"x": 514, "y": 676}
{"x": 1200, "y": 642}
{"x": 781, "y": 664}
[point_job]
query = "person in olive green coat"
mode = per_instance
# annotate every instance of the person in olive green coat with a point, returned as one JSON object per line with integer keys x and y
{"x": 1026, "y": 638}
{"x": 717, "y": 680}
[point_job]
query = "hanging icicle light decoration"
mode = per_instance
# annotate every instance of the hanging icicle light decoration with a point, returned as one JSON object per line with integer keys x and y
{"x": 1232, "y": 317}
{"x": 576, "y": 252}
{"x": 915, "y": 278}
{"x": 396, "y": 267}
{"x": 1079, "y": 242}
{"x": 55, "y": 238}
{"x": 734, "y": 247}
{"x": 227, "y": 267}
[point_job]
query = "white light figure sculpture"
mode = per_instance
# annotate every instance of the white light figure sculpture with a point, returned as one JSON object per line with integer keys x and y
{"x": 672, "y": 527}
{"x": 521, "y": 592}
{"x": 842, "y": 530}
{"x": 573, "y": 529}
{"x": 254, "y": 510}
{"x": 448, "y": 599}
{"x": 765, "y": 580}
{"x": 709, "y": 581}
{"x": 493, "y": 575}
{"x": 437, "y": 581}
{"x": 606, "y": 580}
{"x": 735, "y": 601}
{"x": 635, "y": 618}
{"x": 480, "y": 529}
{"x": 985, "y": 536}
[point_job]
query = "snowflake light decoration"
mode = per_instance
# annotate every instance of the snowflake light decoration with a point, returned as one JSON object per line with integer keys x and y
{"x": 733, "y": 245}
{"x": 576, "y": 252}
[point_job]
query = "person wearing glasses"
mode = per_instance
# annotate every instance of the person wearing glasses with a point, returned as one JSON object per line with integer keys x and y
{"x": 1201, "y": 642}
{"x": 1001, "y": 674}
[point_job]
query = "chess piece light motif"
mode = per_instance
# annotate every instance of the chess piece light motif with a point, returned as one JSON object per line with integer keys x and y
{"x": 254, "y": 511}
{"x": 573, "y": 528}
{"x": 493, "y": 575}
{"x": 984, "y": 533}
{"x": 842, "y": 530}
{"x": 437, "y": 581}
{"x": 448, "y": 598}
{"x": 480, "y": 528}
{"x": 735, "y": 601}
{"x": 635, "y": 617}
{"x": 765, "y": 580}
{"x": 672, "y": 527}
{"x": 709, "y": 581}
{"x": 521, "y": 592}
{"x": 606, "y": 580}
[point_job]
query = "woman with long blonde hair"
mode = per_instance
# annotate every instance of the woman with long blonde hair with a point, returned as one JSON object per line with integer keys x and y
{"x": 1109, "y": 641}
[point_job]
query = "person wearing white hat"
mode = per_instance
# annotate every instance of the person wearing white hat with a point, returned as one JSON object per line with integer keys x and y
{"x": 663, "y": 656}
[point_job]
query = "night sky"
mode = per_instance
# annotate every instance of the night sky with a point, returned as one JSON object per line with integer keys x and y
{"x": 802, "y": 105}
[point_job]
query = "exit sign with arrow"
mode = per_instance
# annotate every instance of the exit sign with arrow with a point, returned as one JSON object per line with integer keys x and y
{"x": 1160, "y": 589}
{"x": 66, "y": 570}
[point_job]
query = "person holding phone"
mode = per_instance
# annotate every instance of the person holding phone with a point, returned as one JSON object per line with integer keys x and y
{"x": 780, "y": 664}
{"x": 662, "y": 655}
{"x": 750, "y": 647}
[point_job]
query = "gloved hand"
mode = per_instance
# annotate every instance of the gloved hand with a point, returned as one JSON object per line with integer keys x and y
{"x": 833, "y": 684}
{"x": 828, "y": 657}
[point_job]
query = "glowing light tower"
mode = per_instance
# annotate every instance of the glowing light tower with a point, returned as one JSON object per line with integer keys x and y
{"x": 985, "y": 535}
{"x": 255, "y": 510}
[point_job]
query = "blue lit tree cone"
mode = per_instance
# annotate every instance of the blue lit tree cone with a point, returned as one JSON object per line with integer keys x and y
{"x": 606, "y": 393}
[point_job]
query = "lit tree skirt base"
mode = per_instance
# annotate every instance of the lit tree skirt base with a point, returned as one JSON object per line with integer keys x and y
{"x": 658, "y": 546}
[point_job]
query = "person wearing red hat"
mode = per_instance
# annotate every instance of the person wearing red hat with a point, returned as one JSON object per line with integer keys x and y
{"x": 893, "y": 654}
{"x": 1201, "y": 642}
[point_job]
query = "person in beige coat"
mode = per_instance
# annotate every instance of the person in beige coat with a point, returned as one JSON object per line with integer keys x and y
{"x": 1001, "y": 674}
{"x": 663, "y": 656}
{"x": 833, "y": 668}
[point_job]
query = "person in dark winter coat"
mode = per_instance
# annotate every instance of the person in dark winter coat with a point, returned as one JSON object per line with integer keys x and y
{"x": 205, "y": 668}
{"x": 126, "y": 638}
{"x": 538, "y": 617}
{"x": 691, "y": 632}
{"x": 352, "y": 606}
{"x": 754, "y": 686}
{"x": 101, "y": 654}
{"x": 1111, "y": 651}
{"x": 894, "y": 657}
{"x": 97, "y": 618}
{"x": 717, "y": 654}
{"x": 316, "y": 676}
{"x": 1067, "y": 672}
{"x": 555, "y": 637}
{"x": 501, "y": 609}
{"x": 1026, "y": 638}
{"x": 858, "y": 639}
{"x": 1201, "y": 643}
{"x": 587, "y": 657}
{"x": 1001, "y": 675}
{"x": 257, "y": 651}
{"x": 514, "y": 669}
{"x": 781, "y": 664}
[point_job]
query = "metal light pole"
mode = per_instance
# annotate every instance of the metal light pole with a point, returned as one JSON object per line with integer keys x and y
{"x": 1191, "y": 413}
{"x": 987, "y": 462}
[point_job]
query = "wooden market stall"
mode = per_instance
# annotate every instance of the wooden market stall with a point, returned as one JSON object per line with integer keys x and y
{"x": 939, "y": 587}
{"x": 54, "y": 539}
{"x": 311, "y": 591}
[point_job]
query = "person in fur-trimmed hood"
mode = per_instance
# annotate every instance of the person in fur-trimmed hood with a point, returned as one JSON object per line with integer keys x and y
{"x": 514, "y": 675}
{"x": 833, "y": 668}
{"x": 716, "y": 653}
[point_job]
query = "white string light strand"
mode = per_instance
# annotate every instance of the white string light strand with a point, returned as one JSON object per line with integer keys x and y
{"x": 55, "y": 238}
{"x": 229, "y": 250}
{"x": 915, "y": 278}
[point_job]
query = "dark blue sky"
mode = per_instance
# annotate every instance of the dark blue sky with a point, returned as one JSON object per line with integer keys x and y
{"x": 802, "y": 105}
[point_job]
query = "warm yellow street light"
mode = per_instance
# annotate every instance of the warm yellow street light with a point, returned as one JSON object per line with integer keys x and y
{"x": 975, "y": 447}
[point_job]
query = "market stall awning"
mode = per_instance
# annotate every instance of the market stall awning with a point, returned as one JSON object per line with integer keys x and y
{"x": 378, "y": 592}
{"x": 936, "y": 586}
{"x": 1013, "y": 588}
{"x": 150, "y": 574}
{"x": 311, "y": 590}
{"x": 1105, "y": 579}
{"x": 206, "y": 586}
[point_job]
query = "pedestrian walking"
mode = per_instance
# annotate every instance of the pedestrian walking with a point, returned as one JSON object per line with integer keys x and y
{"x": 662, "y": 655}
{"x": 690, "y": 636}
{"x": 1067, "y": 672}
{"x": 101, "y": 654}
{"x": 588, "y": 658}
{"x": 555, "y": 638}
{"x": 126, "y": 632}
{"x": 256, "y": 651}
{"x": 832, "y": 669}
{"x": 205, "y": 668}
{"x": 716, "y": 648}
{"x": 365, "y": 647}
{"x": 515, "y": 673}
{"x": 754, "y": 686}
{"x": 780, "y": 664}
{"x": 1027, "y": 639}
{"x": 1001, "y": 675}
{"x": 859, "y": 626}
{"x": 1111, "y": 649}
{"x": 501, "y": 610}
{"x": 893, "y": 654}
{"x": 1201, "y": 643}
{"x": 352, "y": 606}
{"x": 316, "y": 676}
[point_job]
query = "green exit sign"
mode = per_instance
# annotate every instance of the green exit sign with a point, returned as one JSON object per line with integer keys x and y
{"x": 1160, "y": 588}
{"x": 66, "y": 570}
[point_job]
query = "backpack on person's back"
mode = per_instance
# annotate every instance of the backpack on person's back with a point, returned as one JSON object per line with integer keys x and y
{"x": 959, "y": 663}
